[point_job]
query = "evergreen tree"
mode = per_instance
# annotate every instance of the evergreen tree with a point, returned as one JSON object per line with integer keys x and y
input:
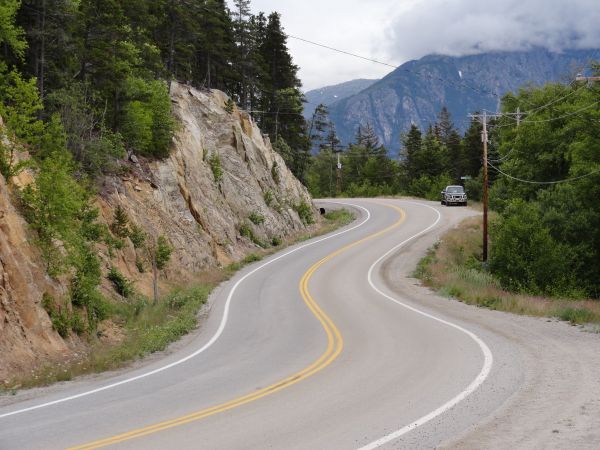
{"x": 11, "y": 34}
{"x": 472, "y": 149}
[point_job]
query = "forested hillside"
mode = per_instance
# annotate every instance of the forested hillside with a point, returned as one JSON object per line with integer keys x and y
{"x": 118, "y": 154}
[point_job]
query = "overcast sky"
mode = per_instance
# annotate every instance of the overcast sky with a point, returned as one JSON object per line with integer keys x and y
{"x": 396, "y": 31}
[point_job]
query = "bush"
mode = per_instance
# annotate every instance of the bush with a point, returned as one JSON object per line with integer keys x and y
{"x": 268, "y": 197}
{"x": 524, "y": 255}
{"x": 147, "y": 124}
{"x": 122, "y": 285}
{"x": 120, "y": 224}
{"x": 137, "y": 236}
{"x": 429, "y": 187}
{"x": 304, "y": 212}
{"x": 256, "y": 218}
{"x": 163, "y": 253}
{"x": 215, "y": 166}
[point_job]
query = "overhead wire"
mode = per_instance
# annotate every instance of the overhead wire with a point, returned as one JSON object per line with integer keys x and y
{"x": 568, "y": 180}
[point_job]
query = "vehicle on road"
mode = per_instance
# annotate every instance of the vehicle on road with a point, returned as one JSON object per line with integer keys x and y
{"x": 454, "y": 195}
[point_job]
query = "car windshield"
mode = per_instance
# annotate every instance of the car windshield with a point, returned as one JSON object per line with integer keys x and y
{"x": 455, "y": 189}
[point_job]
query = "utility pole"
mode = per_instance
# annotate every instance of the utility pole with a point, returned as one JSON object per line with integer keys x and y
{"x": 484, "y": 137}
{"x": 483, "y": 118}
{"x": 338, "y": 181}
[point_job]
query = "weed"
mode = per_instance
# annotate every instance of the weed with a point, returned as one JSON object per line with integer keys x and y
{"x": 122, "y": 285}
{"x": 268, "y": 197}
{"x": 304, "y": 212}
{"x": 215, "y": 166}
{"x": 576, "y": 315}
{"x": 256, "y": 218}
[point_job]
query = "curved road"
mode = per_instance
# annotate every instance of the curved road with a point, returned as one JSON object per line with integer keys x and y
{"x": 309, "y": 349}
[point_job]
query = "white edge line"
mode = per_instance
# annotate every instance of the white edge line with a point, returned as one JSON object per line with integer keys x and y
{"x": 212, "y": 340}
{"x": 487, "y": 354}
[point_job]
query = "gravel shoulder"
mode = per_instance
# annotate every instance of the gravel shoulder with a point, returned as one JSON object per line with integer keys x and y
{"x": 552, "y": 397}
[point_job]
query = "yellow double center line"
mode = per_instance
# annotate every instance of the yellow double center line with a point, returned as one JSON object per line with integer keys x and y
{"x": 335, "y": 344}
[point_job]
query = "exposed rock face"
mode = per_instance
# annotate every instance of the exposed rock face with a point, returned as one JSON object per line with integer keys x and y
{"x": 417, "y": 90}
{"x": 221, "y": 173}
{"x": 201, "y": 214}
{"x": 26, "y": 334}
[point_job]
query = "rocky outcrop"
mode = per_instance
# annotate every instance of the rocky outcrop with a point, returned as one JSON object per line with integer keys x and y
{"x": 222, "y": 172}
{"x": 417, "y": 90}
{"x": 221, "y": 194}
{"x": 26, "y": 334}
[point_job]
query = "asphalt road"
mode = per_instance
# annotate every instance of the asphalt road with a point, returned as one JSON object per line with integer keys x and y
{"x": 317, "y": 351}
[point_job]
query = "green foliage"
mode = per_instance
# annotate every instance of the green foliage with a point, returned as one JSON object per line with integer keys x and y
{"x": 91, "y": 143}
{"x": 339, "y": 216}
{"x": 256, "y": 218}
{"x": 304, "y": 212}
{"x": 276, "y": 241}
{"x": 122, "y": 285}
{"x": 429, "y": 187}
{"x": 576, "y": 315}
{"x": 11, "y": 35}
{"x": 215, "y": 166}
{"x": 162, "y": 254}
{"x": 120, "y": 224}
{"x": 137, "y": 236}
{"x": 147, "y": 124}
{"x": 268, "y": 197}
{"x": 561, "y": 255}
{"x": 525, "y": 256}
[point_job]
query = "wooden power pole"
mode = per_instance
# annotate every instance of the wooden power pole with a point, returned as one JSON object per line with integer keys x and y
{"x": 484, "y": 137}
{"x": 483, "y": 118}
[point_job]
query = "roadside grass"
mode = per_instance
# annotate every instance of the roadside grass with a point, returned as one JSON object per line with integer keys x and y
{"x": 149, "y": 327}
{"x": 452, "y": 267}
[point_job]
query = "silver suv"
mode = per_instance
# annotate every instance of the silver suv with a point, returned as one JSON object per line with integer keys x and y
{"x": 454, "y": 194}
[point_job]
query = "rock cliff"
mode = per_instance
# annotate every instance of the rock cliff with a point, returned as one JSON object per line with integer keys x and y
{"x": 222, "y": 193}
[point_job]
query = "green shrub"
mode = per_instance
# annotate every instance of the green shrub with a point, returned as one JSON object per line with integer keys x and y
{"x": 525, "y": 256}
{"x": 268, "y": 197}
{"x": 137, "y": 236}
{"x": 163, "y": 252}
{"x": 276, "y": 241}
{"x": 122, "y": 285}
{"x": 120, "y": 224}
{"x": 147, "y": 123}
{"x": 576, "y": 315}
{"x": 215, "y": 165}
{"x": 256, "y": 218}
{"x": 304, "y": 212}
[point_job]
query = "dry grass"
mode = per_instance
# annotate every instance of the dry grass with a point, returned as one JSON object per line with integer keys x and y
{"x": 453, "y": 268}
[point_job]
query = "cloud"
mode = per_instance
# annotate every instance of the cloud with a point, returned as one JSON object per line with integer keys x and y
{"x": 462, "y": 27}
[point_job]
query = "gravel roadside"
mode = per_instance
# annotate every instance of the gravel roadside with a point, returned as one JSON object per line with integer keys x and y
{"x": 556, "y": 402}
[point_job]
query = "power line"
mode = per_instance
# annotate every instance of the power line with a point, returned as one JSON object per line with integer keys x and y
{"x": 543, "y": 182}
{"x": 394, "y": 66}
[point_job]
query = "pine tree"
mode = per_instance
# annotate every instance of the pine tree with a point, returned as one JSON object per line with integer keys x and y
{"x": 412, "y": 144}
{"x": 11, "y": 34}
{"x": 472, "y": 149}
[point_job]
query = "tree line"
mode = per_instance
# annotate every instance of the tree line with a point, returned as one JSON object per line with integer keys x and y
{"x": 83, "y": 82}
{"x": 430, "y": 159}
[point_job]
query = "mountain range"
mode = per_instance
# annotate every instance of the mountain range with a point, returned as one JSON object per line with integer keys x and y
{"x": 416, "y": 91}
